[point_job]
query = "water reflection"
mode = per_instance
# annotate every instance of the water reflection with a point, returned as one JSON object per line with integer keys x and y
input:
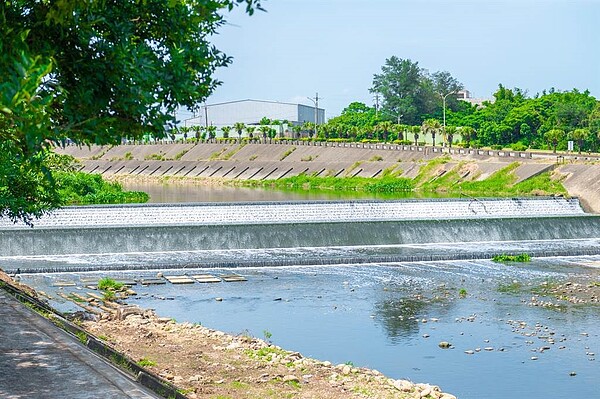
{"x": 174, "y": 192}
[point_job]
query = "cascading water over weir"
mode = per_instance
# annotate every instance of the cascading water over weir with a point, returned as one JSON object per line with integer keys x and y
{"x": 295, "y": 233}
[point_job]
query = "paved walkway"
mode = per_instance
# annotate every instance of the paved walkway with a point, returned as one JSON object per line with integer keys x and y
{"x": 39, "y": 360}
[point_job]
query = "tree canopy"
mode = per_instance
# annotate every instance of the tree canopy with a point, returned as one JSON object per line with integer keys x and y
{"x": 410, "y": 92}
{"x": 94, "y": 72}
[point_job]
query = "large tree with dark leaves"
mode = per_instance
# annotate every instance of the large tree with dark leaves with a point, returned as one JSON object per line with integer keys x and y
{"x": 95, "y": 71}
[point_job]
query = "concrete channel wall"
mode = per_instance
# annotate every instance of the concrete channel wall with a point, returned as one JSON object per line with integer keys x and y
{"x": 275, "y": 161}
{"x": 263, "y": 161}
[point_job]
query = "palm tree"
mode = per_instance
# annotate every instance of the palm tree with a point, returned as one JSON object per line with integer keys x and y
{"x": 264, "y": 129}
{"x": 399, "y": 130}
{"x": 239, "y": 127}
{"x": 198, "y": 129}
{"x": 279, "y": 125}
{"x": 297, "y": 129}
{"x": 415, "y": 131}
{"x": 450, "y": 132}
{"x": 467, "y": 133}
{"x": 226, "y": 130}
{"x": 212, "y": 131}
{"x": 553, "y": 137}
{"x": 250, "y": 130}
{"x": 310, "y": 127}
{"x": 285, "y": 123}
{"x": 185, "y": 130}
{"x": 431, "y": 126}
{"x": 580, "y": 135}
{"x": 385, "y": 128}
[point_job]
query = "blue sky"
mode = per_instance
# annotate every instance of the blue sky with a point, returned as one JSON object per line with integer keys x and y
{"x": 299, "y": 47}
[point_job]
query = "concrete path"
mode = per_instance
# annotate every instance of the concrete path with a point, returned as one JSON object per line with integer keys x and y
{"x": 39, "y": 360}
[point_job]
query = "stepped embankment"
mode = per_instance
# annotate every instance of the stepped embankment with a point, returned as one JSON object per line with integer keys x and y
{"x": 270, "y": 161}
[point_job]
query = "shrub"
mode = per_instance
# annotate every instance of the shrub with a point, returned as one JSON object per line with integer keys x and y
{"x": 512, "y": 258}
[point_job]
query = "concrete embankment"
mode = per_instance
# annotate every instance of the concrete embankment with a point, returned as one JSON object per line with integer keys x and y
{"x": 274, "y": 161}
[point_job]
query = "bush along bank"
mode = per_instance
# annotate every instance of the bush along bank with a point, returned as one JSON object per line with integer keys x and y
{"x": 79, "y": 188}
{"x": 428, "y": 182}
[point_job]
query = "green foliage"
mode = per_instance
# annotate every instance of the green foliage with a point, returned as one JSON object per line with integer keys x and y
{"x": 109, "y": 296}
{"x": 81, "y": 336}
{"x": 84, "y": 188}
{"x": 108, "y": 283}
{"x": 524, "y": 257}
{"x": 511, "y": 288}
{"x": 388, "y": 184}
{"x": 155, "y": 157}
{"x": 287, "y": 153}
{"x": 180, "y": 154}
{"x": 267, "y": 334}
{"x": 239, "y": 385}
{"x": 145, "y": 362}
{"x": 462, "y": 293}
{"x": 95, "y": 72}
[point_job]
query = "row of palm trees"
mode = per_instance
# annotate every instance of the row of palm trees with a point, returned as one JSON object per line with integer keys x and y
{"x": 385, "y": 131}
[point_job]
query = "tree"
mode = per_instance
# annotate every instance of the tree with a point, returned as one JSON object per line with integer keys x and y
{"x": 264, "y": 129}
{"x": 553, "y": 137}
{"x": 384, "y": 128}
{"x": 198, "y": 131}
{"x": 431, "y": 126}
{"x": 580, "y": 135}
{"x": 212, "y": 132}
{"x": 449, "y": 134}
{"x": 415, "y": 131}
{"x": 239, "y": 128}
{"x": 401, "y": 84}
{"x": 93, "y": 72}
{"x": 226, "y": 130}
{"x": 467, "y": 133}
{"x": 250, "y": 130}
{"x": 408, "y": 90}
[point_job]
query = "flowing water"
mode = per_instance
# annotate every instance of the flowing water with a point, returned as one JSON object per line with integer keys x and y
{"x": 392, "y": 316}
{"x": 380, "y": 293}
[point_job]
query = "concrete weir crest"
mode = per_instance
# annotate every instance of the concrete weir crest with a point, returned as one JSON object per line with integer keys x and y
{"x": 207, "y": 227}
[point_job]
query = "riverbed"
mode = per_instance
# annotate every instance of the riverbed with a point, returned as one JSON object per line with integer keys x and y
{"x": 507, "y": 340}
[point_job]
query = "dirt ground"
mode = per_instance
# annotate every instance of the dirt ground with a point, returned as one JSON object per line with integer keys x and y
{"x": 206, "y": 363}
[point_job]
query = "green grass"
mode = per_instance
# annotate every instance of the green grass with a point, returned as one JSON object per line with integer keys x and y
{"x": 108, "y": 283}
{"x": 510, "y": 288}
{"x": 81, "y": 336}
{"x": 145, "y": 362}
{"x": 75, "y": 298}
{"x": 265, "y": 354}
{"x": 180, "y": 154}
{"x": 425, "y": 184}
{"x": 387, "y": 184}
{"x": 239, "y": 385}
{"x": 287, "y": 153}
{"x": 109, "y": 296}
{"x": 155, "y": 157}
{"x": 512, "y": 258}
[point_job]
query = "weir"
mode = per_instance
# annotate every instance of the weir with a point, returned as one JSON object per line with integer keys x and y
{"x": 126, "y": 229}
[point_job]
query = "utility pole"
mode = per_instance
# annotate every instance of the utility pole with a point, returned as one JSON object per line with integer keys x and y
{"x": 444, "y": 106}
{"x": 205, "y": 116}
{"x": 316, "y": 102}
{"x": 376, "y": 104}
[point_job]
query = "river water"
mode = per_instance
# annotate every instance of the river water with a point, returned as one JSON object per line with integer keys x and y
{"x": 386, "y": 316}
{"x": 391, "y": 317}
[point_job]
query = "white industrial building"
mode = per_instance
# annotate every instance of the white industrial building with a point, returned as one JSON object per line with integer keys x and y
{"x": 250, "y": 112}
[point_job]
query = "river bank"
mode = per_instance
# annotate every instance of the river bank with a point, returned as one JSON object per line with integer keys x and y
{"x": 206, "y": 363}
